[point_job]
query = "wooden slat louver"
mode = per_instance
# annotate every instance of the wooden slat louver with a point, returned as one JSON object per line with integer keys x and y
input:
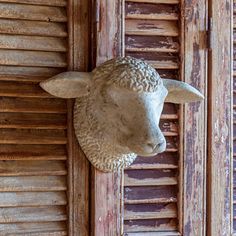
{"x": 33, "y": 137}
{"x": 151, "y": 184}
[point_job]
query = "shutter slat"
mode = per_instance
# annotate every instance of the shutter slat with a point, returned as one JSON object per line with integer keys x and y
{"x": 33, "y": 152}
{"x": 135, "y": 43}
{"x": 32, "y": 120}
{"x": 31, "y": 12}
{"x": 33, "y": 228}
{"x": 155, "y": 1}
{"x": 161, "y": 161}
{"x": 149, "y": 194}
{"x": 32, "y": 184}
{"x": 58, "y": 3}
{"x": 32, "y": 214}
{"x": 151, "y": 11}
{"x": 28, "y": 73}
{"x": 33, "y": 43}
{"x": 150, "y": 177}
{"x": 151, "y": 211}
{"x": 23, "y": 136}
{"x": 170, "y": 233}
{"x": 30, "y": 105}
{"x": 31, "y": 58}
{"x": 150, "y": 225}
{"x": 33, "y": 28}
{"x": 151, "y": 27}
{"x": 32, "y": 168}
{"x": 16, "y": 89}
{"x": 21, "y": 199}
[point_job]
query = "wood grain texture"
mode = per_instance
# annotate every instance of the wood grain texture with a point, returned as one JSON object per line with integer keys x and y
{"x": 220, "y": 123}
{"x": 32, "y": 168}
{"x": 35, "y": 229}
{"x": 33, "y": 121}
{"x": 30, "y": 136}
{"x": 33, "y": 43}
{"x": 78, "y": 165}
{"x": 32, "y": 152}
{"x": 37, "y": 28}
{"x": 193, "y": 162}
{"x": 33, "y": 183}
{"x": 32, "y": 214}
{"x": 150, "y": 184}
{"x": 31, "y": 105}
{"x": 151, "y": 27}
{"x": 31, "y": 58}
{"x": 58, "y": 3}
{"x": 31, "y": 12}
{"x": 35, "y": 199}
{"x": 33, "y": 172}
{"x": 106, "y": 192}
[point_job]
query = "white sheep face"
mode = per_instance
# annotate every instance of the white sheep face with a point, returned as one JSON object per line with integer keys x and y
{"x": 118, "y": 108}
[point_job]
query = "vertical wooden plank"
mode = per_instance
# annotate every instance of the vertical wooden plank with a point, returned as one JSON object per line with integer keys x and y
{"x": 194, "y": 71}
{"x": 78, "y": 165}
{"x": 219, "y": 123}
{"x": 106, "y": 196}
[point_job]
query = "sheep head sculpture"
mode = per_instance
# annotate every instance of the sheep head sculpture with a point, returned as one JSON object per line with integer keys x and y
{"x": 118, "y": 108}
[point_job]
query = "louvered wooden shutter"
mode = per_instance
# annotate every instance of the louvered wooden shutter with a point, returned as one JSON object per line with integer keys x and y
{"x": 151, "y": 184}
{"x": 33, "y": 125}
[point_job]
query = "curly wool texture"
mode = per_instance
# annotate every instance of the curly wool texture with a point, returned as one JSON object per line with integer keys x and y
{"x": 103, "y": 155}
{"x": 128, "y": 73}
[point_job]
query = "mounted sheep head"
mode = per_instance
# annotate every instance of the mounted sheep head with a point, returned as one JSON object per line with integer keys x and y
{"x": 118, "y": 108}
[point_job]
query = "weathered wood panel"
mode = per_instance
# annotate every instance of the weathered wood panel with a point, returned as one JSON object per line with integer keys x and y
{"x": 32, "y": 199}
{"x": 78, "y": 165}
{"x": 33, "y": 183}
{"x": 106, "y": 212}
{"x": 33, "y": 125}
{"x": 151, "y": 183}
{"x": 29, "y": 12}
{"x": 220, "y": 122}
{"x": 33, "y": 43}
{"x": 193, "y": 163}
{"x": 35, "y": 229}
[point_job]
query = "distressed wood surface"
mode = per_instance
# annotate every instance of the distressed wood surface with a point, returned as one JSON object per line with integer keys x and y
{"x": 32, "y": 199}
{"x": 32, "y": 214}
{"x": 29, "y": 12}
{"x": 33, "y": 183}
{"x": 31, "y": 105}
{"x": 33, "y": 43}
{"x": 151, "y": 184}
{"x": 220, "y": 126}
{"x": 151, "y": 27}
{"x": 193, "y": 162}
{"x": 78, "y": 165}
{"x": 33, "y": 152}
{"x": 33, "y": 28}
{"x": 35, "y": 229}
{"x": 33, "y": 170}
{"x": 105, "y": 191}
{"x": 58, "y": 3}
{"x": 33, "y": 121}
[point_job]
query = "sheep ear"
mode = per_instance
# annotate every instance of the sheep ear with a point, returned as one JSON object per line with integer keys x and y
{"x": 180, "y": 92}
{"x": 69, "y": 84}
